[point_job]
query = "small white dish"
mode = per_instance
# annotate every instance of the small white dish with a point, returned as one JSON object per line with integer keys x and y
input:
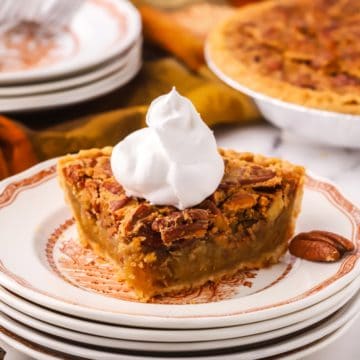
{"x": 101, "y": 30}
{"x": 317, "y": 125}
{"x": 35, "y": 199}
{"x": 291, "y": 343}
{"x": 339, "y": 299}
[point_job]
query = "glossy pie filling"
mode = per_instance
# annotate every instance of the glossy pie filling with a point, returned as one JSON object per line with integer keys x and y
{"x": 312, "y": 45}
{"x": 158, "y": 249}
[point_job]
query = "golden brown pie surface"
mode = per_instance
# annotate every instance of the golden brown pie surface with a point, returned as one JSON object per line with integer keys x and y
{"x": 302, "y": 51}
{"x": 244, "y": 224}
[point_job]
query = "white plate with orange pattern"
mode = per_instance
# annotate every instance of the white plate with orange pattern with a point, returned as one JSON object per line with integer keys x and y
{"x": 23, "y": 338}
{"x": 17, "y": 92}
{"x": 42, "y": 261}
{"x": 100, "y": 31}
{"x": 117, "y": 337}
{"x": 245, "y": 332}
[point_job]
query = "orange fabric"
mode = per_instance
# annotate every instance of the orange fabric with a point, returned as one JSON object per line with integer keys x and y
{"x": 163, "y": 31}
{"x": 169, "y": 33}
{"x": 241, "y": 2}
{"x": 16, "y": 151}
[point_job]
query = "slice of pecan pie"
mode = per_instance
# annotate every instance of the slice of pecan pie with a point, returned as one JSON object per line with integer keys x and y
{"x": 244, "y": 224}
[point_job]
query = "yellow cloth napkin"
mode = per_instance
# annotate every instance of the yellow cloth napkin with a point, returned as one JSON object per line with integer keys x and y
{"x": 216, "y": 103}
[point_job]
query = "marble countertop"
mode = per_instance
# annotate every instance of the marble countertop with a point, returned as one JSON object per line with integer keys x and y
{"x": 340, "y": 165}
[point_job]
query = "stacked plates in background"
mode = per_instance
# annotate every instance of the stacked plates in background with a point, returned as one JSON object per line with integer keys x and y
{"x": 58, "y": 298}
{"x": 99, "y": 52}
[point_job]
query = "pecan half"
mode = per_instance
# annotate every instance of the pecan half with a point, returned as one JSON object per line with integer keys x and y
{"x": 75, "y": 175}
{"x": 341, "y": 243}
{"x": 210, "y": 206}
{"x": 140, "y": 212}
{"x": 187, "y": 224}
{"x": 118, "y": 204}
{"x": 219, "y": 221}
{"x": 319, "y": 245}
{"x": 256, "y": 175}
{"x": 113, "y": 187}
{"x": 106, "y": 167}
{"x": 249, "y": 175}
{"x": 240, "y": 201}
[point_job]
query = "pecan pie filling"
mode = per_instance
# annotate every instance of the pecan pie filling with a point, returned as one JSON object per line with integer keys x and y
{"x": 311, "y": 45}
{"x": 244, "y": 224}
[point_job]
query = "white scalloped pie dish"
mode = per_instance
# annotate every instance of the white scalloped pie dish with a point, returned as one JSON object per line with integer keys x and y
{"x": 325, "y": 127}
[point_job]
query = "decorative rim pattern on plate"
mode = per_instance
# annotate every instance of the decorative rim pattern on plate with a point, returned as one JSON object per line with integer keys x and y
{"x": 158, "y": 344}
{"x": 280, "y": 346}
{"x": 84, "y": 270}
{"x": 175, "y": 335}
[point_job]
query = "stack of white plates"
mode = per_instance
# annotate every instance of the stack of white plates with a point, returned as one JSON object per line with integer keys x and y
{"x": 57, "y": 298}
{"x": 99, "y": 52}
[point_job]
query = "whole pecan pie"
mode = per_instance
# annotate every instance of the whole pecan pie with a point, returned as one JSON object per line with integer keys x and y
{"x": 302, "y": 51}
{"x": 244, "y": 224}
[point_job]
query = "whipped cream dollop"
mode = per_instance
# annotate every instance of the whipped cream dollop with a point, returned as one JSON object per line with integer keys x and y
{"x": 173, "y": 161}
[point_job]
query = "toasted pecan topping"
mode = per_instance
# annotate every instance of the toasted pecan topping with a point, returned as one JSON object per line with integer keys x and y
{"x": 161, "y": 226}
{"x": 181, "y": 225}
{"x": 118, "y": 204}
{"x": 75, "y": 175}
{"x": 106, "y": 167}
{"x": 240, "y": 201}
{"x": 249, "y": 175}
{"x": 210, "y": 206}
{"x": 113, "y": 186}
{"x": 218, "y": 220}
{"x": 256, "y": 174}
{"x": 139, "y": 213}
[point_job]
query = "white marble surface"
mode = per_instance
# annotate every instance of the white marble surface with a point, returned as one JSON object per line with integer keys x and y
{"x": 340, "y": 165}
